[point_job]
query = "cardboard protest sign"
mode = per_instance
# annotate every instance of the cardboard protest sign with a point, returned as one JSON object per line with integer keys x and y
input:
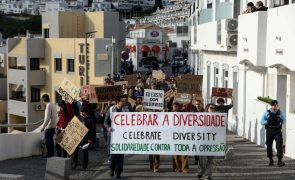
{"x": 222, "y": 92}
{"x": 183, "y": 98}
{"x": 190, "y": 84}
{"x": 107, "y": 93}
{"x": 158, "y": 74}
{"x": 68, "y": 91}
{"x": 169, "y": 133}
{"x": 73, "y": 135}
{"x": 153, "y": 99}
{"x": 131, "y": 79}
{"x": 131, "y": 101}
{"x": 169, "y": 94}
{"x": 89, "y": 91}
{"x": 121, "y": 83}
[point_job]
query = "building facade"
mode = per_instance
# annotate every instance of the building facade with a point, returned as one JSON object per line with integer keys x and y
{"x": 145, "y": 41}
{"x": 250, "y": 53}
{"x": 38, "y": 65}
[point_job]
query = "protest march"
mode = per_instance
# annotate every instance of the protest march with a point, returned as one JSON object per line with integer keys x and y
{"x": 148, "y": 114}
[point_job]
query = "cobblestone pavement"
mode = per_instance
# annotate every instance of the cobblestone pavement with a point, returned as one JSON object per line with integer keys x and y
{"x": 250, "y": 162}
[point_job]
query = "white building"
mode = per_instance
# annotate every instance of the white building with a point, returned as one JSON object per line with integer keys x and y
{"x": 259, "y": 62}
{"x": 52, "y": 6}
{"x": 145, "y": 41}
{"x": 126, "y": 5}
{"x": 101, "y": 5}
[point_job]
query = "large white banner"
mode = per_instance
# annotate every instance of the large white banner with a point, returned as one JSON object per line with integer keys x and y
{"x": 169, "y": 133}
{"x": 153, "y": 99}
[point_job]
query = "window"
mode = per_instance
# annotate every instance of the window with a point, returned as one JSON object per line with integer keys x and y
{"x": 35, "y": 94}
{"x": 216, "y": 72}
{"x": 46, "y": 33}
{"x": 225, "y": 78}
{"x": 34, "y": 64}
{"x": 58, "y": 64}
{"x": 71, "y": 65}
{"x": 277, "y": 3}
{"x": 209, "y": 3}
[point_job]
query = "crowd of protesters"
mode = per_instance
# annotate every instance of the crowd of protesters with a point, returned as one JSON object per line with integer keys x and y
{"x": 97, "y": 117}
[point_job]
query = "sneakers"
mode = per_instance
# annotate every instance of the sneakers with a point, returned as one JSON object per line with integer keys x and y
{"x": 270, "y": 162}
{"x": 281, "y": 163}
{"x": 208, "y": 178}
{"x": 199, "y": 176}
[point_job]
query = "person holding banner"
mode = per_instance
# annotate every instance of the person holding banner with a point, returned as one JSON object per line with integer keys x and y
{"x": 206, "y": 162}
{"x": 116, "y": 160}
{"x": 223, "y": 108}
{"x": 198, "y": 107}
{"x": 87, "y": 140}
{"x": 180, "y": 162}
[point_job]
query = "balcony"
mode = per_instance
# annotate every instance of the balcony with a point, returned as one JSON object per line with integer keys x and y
{"x": 280, "y": 37}
{"x": 37, "y": 77}
{"x": 252, "y": 38}
{"x": 17, "y": 107}
{"x": 17, "y": 76}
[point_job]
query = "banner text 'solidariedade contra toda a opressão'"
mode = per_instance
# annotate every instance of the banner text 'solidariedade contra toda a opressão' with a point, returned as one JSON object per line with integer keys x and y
{"x": 169, "y": 133}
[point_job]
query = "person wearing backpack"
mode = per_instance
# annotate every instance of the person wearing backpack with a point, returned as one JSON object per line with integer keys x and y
{"x": 273, "y": 120}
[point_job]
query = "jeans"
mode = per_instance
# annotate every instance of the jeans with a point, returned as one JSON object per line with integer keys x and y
{"x": 60, "y": 152}
{"x": 271, "y": 135}
{"x": 85, "y": 157}
{"x": 206, "y": 165}
{"x": 117, "y": 162}
{"x": 49, "y": 133}
{"x": 109, "y": 147}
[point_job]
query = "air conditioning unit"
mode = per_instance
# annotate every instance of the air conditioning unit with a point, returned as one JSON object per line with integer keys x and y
{"x": 232, "y": 40}
{"x": 231, "y": 25}
{"x": 40, "y": 107}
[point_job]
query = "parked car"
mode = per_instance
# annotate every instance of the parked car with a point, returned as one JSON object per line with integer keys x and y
{"x": 149, "y": 62}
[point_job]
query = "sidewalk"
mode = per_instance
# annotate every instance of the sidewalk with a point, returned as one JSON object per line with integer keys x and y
{"x": 250, "y": 162}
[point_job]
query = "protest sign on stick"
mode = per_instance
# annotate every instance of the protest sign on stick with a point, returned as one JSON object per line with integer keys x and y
{"x": 190, "y": 84}
{"x": 108, "y": 93}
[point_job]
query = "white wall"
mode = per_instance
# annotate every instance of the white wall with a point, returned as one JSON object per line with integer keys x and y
{"x": 19, "y": 145}
{"x": 281, "y": 36}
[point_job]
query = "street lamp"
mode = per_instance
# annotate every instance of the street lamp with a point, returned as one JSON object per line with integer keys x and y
{"x": 87, "y": 34}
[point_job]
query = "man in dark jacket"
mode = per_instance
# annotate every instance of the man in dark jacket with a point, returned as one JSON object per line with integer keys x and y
{"x": 273, "y": 120}
{"x": 87, "y": 140}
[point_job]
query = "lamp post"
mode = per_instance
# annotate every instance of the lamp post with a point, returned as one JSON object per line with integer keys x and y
{"x": 87, "y": 34}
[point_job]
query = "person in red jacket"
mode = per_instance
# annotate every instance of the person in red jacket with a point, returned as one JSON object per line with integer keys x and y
{"x": 64, "y": 117}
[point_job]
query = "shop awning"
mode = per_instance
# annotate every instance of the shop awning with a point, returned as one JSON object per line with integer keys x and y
{"x": 156, "y": 48}
{"x": 145, "y": 48}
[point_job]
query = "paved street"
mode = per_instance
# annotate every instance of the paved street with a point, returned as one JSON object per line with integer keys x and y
{"x": 249, "y": 162}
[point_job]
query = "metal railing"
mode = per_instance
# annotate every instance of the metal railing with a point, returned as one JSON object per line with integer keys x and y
{"x": 22, "y": 125}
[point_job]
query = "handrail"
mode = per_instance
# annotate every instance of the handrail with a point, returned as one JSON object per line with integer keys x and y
{"x": 21, "y": 125}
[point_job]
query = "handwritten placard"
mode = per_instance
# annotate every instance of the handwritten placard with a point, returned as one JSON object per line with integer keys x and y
{"x": 183, "y": 98}
{"x": 169, "y": 133}
{"x": 158, "y": 74}
{"x": 153, "y": 99}
{"x": 73, "y": 135}
{"x": 222, "y": 92}
{"x": 190, "y": 84}
{"x": 68, "y": 91}
{"x": 108, "y": 93}
{"x": 132, "y": 79}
